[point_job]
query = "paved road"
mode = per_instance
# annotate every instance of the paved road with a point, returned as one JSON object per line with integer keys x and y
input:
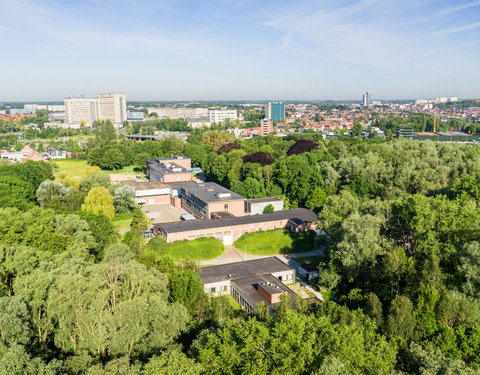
{"x": 232, "y": 255}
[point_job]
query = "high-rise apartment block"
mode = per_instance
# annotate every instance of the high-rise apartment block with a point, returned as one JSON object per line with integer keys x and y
{"x": 112, "y": 106}
{"x": 275, "y": 111}
{"x": 366, "y": 99}
{"x": 220, "y": 115}
{"x": 267, "y": 126}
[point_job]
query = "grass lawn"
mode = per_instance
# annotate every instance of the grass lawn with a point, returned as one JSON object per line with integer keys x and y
{"x": 274, "y": 242}
{"x": 122, "y": 222}
{"x": 200, "y": 249}
{"x": 71, "y": 165}
{"x": 77, "y": 165}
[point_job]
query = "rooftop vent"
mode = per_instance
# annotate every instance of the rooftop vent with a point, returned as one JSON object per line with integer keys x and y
{"x": 210, "y": 189}
{"x": 223, "y": 195}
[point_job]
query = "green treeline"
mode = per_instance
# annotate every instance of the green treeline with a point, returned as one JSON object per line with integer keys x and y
{"x": 400, "y": 277}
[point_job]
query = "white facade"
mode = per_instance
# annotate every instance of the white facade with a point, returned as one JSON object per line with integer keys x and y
{"x": 78, "y": 110}
{"x": 173, "y": 112}
{"x": 48, "y": 107}
{"x": 111, "y": 107}
{"x": 220, "y": 115}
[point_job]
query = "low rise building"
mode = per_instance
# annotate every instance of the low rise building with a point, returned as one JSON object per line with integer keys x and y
{"x": 230, "y": 229}
{"x": 258, "y": 205}
{"x": 251, "y": 282}
{"x": 175, "y": 169}
{"x": 206, "y": 199}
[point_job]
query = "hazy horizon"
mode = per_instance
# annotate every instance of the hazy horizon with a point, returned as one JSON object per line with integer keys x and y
{"x": 239, "y": 50}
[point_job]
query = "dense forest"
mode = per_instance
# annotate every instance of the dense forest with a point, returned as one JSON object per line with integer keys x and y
{"x": 401, "y": 267}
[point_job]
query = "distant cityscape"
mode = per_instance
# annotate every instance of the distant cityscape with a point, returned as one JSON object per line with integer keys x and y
{"x": 250, "y": 119}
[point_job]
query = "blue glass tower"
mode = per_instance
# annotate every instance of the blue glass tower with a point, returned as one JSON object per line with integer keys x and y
{"x": 275, "y": 111}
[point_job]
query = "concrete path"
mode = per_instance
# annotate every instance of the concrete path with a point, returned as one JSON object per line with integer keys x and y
{"x": 232, "y": 255}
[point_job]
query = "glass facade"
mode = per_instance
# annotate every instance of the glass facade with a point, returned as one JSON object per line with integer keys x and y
{"x": 276, "y": 111}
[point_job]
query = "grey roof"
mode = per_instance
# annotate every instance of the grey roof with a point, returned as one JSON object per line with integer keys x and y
{"x": 145, "y": 185}
{"x": 263, "y": 200}
{"x": 297, "y": 215}
{"x": 242, "y": 270}
{"x": 208, "y": 192}
{"x": 167, "y": 167}
{"x": 249, "y": 287}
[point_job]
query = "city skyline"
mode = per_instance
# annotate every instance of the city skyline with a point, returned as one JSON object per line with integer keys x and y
{"x": 239, "y": 50}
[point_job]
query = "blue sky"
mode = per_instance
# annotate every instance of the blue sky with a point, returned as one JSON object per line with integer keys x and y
{"x": 243, "y": 49}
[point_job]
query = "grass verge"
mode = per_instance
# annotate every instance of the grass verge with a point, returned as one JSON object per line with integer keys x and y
{"x": 199, "y": 249}
{"x": 275, "y": 242}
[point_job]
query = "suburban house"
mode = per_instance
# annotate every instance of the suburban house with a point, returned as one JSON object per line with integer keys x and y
{"x": 25, "y": 154}
{"x": 251, "y": 282}
{"x": 53, "y": 153}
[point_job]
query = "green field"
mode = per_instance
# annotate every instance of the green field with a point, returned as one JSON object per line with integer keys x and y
{"x": 77, "y": 165}
{"x": 71, "y": 165}
{"x": 200, "y": 249}
{"x": 274, "y": 242}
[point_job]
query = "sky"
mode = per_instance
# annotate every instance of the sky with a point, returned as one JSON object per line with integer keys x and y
{"x": 239, "y": 49}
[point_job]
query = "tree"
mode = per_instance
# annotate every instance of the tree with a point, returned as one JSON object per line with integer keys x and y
{"x": 401, "y": 319}
{"x": 187, "y": 289}
{"x": 99, "y": 201}
{"x": 262, "y": 158}
{"x": 357, "y": 129}
{"x": 268, "y": 209}
{"x": 359, "y": 246}
{"x": 301, "y": 146}
{"x": 112, "y": 159}
{"x": 469, "y": 266}
{"x": 171, "y": 361}
{"x": 316, "y": 200}
{"x": 50, "y": 189}
{"x": 14, "y": 321}
{"x": 124, "y": 199}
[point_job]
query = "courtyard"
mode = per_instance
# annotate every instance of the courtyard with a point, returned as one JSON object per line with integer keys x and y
{"x": 163, "y": 213}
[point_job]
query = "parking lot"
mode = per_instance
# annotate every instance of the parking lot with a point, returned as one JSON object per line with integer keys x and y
{"x": 163, "y": 213}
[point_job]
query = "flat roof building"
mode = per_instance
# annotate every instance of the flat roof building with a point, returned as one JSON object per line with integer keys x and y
{"x": 110, "y": 106}
{"x": 175, "y": 169}
{"x": 230, "y": 229}
{"x": 220, "y": 115}
{"x": 251, "y": 282}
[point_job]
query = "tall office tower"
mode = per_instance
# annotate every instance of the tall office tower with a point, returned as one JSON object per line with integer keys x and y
{"x": 267, "y": 126}
{"x": 113, "y": 107}
{"x": 366, "y": 99}
{"x": 78, "y": 110}
{"x": 275, "y": 111}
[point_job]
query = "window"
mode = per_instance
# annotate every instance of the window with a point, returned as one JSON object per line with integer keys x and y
{"x": 225, "y": 207}
{"x": 212, "y": 290}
